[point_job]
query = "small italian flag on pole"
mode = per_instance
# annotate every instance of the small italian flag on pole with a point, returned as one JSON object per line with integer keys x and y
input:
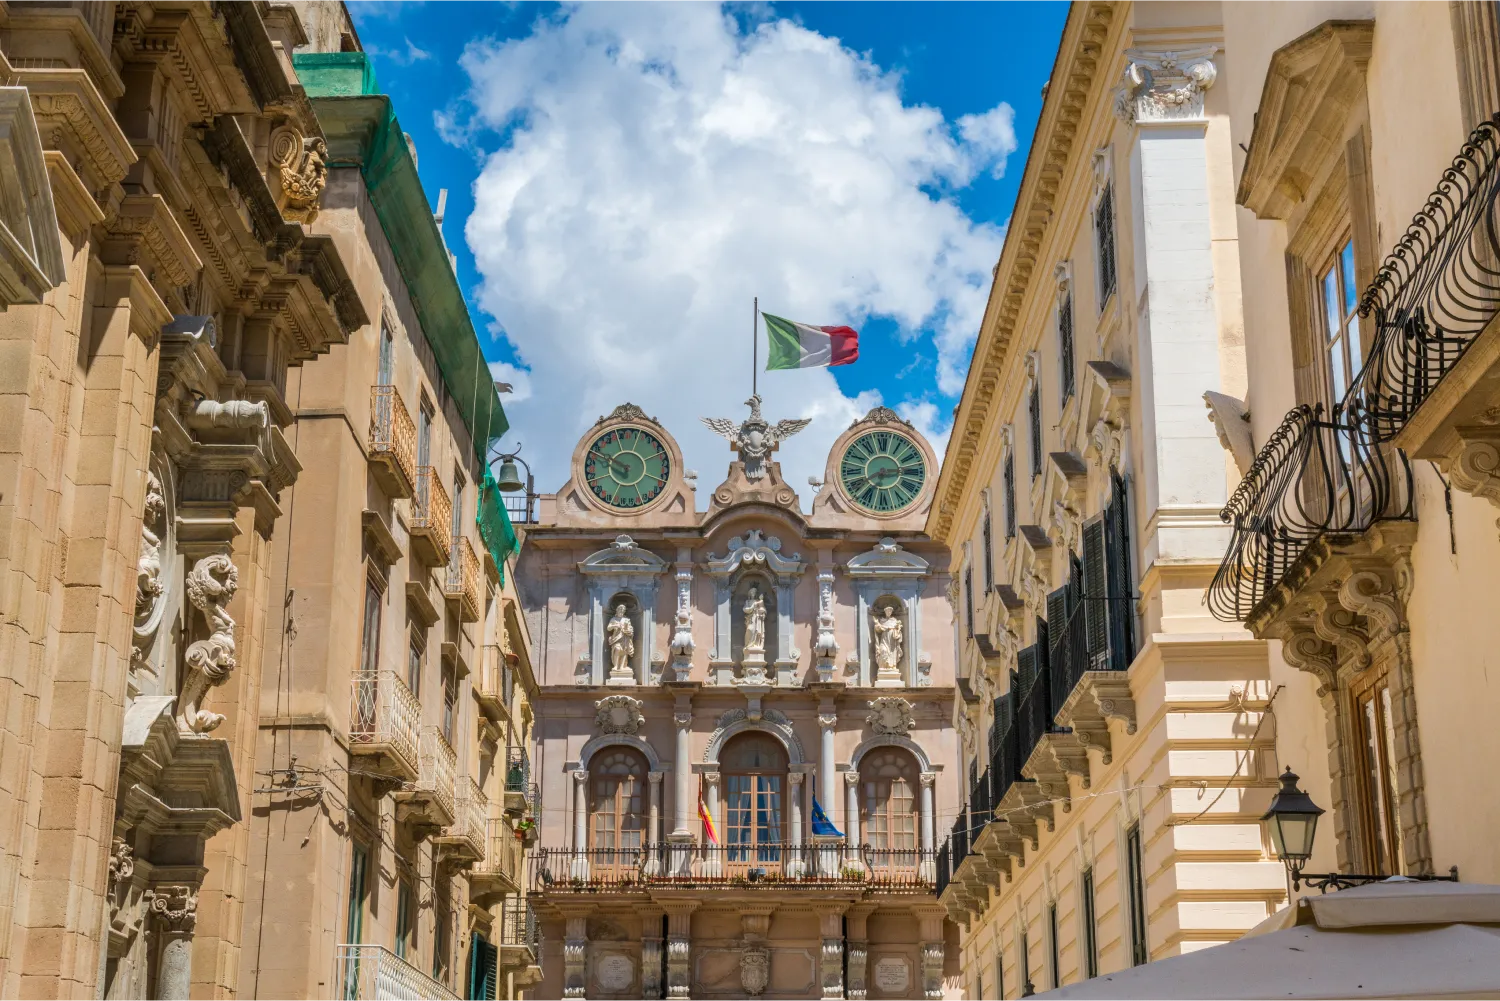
{"x": 801, "y": 345}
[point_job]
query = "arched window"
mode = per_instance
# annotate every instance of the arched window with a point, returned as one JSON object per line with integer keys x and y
{"x": 754, "y": 766}
{"x": 888, "y": 781}
{"x": 617, "y": 807}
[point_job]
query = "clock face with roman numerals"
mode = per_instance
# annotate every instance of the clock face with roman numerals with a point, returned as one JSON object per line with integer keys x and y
{"x": 882, "y": 472}
{"x": 626, "y": 467}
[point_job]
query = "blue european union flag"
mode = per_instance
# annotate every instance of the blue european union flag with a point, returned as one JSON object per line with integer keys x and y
{"x": 820, "y": 823}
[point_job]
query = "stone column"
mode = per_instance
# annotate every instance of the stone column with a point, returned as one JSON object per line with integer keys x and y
{"x": 713, "y": 860}
{"x": 174, "y": 910}
{"x": 681, "y": 824}
{"x": 651, "y": 946}
{"x": 575, "y": 956}
{"x": 851, "y": 815}
{"x": 653, "y": 823}
{"x": 827, "y": 720}
{"x": 859, "y": 950}
{"x": 580, "y": 868}
{"x": 796, "y": 866}
{"x": 680, "y": 947}
{"x": 830, "y": 924}
{"x": 930, "y": 933}
{"x": 927, "y": 868}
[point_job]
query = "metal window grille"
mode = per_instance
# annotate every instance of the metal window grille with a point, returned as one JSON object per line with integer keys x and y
{"x": 1104, "y": 243}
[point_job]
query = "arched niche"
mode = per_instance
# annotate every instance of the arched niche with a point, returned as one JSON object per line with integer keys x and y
{"x": 886, "y": 573}
{"x": 622, "y": 569}
{"x": 757, "y": 555}
{"x": 765, "y": 585}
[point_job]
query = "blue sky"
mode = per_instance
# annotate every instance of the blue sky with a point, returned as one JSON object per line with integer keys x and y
{"x": 644, "y": 165}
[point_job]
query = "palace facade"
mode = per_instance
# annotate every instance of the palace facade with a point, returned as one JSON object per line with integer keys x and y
{"x": 745, "y": 739}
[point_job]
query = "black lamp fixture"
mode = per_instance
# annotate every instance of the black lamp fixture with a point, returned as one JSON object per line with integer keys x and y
{"x": 1292, "y": 822}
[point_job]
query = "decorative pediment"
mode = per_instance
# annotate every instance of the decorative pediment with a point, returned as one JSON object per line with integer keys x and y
{"x": 754, "y": 549}
{"x": 1311, "y": 88}
{"x": 619, "y": 714}
{"x": 1165, "y": 86}
{"x": 623, "y": 557}
{"x": 888, "y": 559}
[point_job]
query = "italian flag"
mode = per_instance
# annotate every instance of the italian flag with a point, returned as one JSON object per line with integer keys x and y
{"x": 801, "y": 345}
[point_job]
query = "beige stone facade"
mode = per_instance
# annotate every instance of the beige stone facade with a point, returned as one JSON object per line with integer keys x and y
{"x": 1118, "y": 751}
{"x": 741, "y": 661}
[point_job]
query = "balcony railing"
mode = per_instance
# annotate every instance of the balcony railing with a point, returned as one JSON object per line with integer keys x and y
{"x": 517, "y": 769}
{"x": 432, "y": 517}
{"x": 393, "y": 441}
{"x": 1437, "y": 291}
{"x": 464, "y": 576}
{"x": 519, "y": 927}
{"x": 374, "y": 973}
{"x": 384, "y": 722}
{"x": 1314, "y": 477}
{"x": 504, "y": 856}
{"x": 563, "y": 870}
{"x": 469, "y": 832}
{"x": 437, "y": 774}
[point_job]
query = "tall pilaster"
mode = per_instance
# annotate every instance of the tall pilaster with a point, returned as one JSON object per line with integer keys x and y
{"x": 174, "y": 913}
{"x": 575, "y": 956}
{"x": 830, "y": 924}
{"x": 679, "y": 947}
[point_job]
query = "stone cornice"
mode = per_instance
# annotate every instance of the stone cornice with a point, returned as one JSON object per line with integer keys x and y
{"x": 1074, "y": 77}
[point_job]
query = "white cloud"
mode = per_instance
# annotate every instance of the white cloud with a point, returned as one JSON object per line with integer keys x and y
{"x": 930, "y": 419}
{"x": 519, "y": 379}
{"x": 405, "y": 56}
{"x": 992, "y": 135}
{"x": 661, "y": 165}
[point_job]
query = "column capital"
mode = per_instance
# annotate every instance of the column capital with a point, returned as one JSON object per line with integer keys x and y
{"x": 580, "y": 775}
{"x": 655, "y": 777}
{"x": 828, "y": 720}
{"x": 928, "y": 779}
{"x": 795, "y": 778}
{"x": 175, "y": 907}
{"x": 851, "y": 779}
{"x": 712, "y": 778}
{"x": 682, "y": 720}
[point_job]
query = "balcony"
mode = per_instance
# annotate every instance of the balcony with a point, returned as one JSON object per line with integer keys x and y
{"x": 1434, "y": 297}
{"x": 1315, "y": 487}
{"x": 467, "y": 838}
{"x": 431, "y": 519}
{"x": 383, "y": 725}
{"x": 492, "y": 687}
{"x": 427, "y": 803}
{"x": 374, "y": 973}
{"x": 519, "y": 792}
{"x": 520, "y": 935}
{"x": 462, "y": 585}
{"x": 501, "y": 870}
{"x": 561, "y": 872}
{"x": 393, "y": 442}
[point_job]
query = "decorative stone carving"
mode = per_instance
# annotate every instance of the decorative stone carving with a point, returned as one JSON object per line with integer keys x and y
{"x": 245, "y": 415}
{"x": 890, "y": 715}
{"x": 1165, "y": 86}
{"x": 882, "y": 415}
{"x": 682, "y": 632}
{"x": 932, "y": 971}
{"x": 755, "y": 623}
{"x": 825, "y": 647}
{"x": 627, "y": 412}
{"x": 1231, "y": 421}
{"x": 302, "y": 165}
{"x": 121, "y": 863}
{"x": 755, "y": 969}
{"x": 175, "y": 907}
{"x": 620, "y": 636}
{"x": 755, "y": 438}
{"x": 211, "y": 585}
{"x": 619, "y": 714}
{"x": 888, "y": 632}
{"x": 756, "y": 548}
{"x": 151, "y": 587}
{"x": 738, "y": 718}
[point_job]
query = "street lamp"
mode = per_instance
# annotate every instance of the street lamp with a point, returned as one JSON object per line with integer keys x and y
{"x": 508, "y": 479}
{"x": 1292, "y": 822}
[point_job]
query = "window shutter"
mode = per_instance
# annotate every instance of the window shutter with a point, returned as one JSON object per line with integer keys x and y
{"x": 1095, "y": 595}
{"x": 1065, "y": 343}
{"x": 1025, "y": 670}
{"x": 996, "y": 730}
{"x": 969, "y": 598}
{"x": 1034, "y": 412}
{"x": 1010, "y": 496}
{"x": 1118, "y": 581}
{"x": 989, "y": 552}
{"x": 1059, "y": 663}
{"x": 1104, "y": 243}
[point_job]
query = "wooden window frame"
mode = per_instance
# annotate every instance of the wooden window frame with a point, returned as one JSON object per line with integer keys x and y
{"x": 1088, "y": 942}
{"x": 1376, "y": 799}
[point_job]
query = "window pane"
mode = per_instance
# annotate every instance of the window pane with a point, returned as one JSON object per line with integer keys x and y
{"x": 1375, "y": 780}
{"x": 1346, "y": 265}
{"x": 1391, "y": 786}
{"x": 1336, "y": 371}
{"x": 1333, "y": 316}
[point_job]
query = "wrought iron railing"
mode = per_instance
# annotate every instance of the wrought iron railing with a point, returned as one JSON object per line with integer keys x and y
{"x": 1314, "y": 477}
{"x": 464, "y": 575}
{"x": 1005, "y": 747}
{"x": 944, "y": 869}
{"x": 1435, "y": 293}
{"x": 385, "y": 713}
{"x": 470, "y": 827}
{"x": 392, "y": 433}
{"x": 438, "y": 769}
{"x": 764, "y": 864}
{"x": 519, "y": 926}
{"x": 504, "y": 853}
{"x": 432, "y": 511}
{"x": 374, "y": 973}
{"x": 517, "y": 769}
{"x": 1036, "y": 708}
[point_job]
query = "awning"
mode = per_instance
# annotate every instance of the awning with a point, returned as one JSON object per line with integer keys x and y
{"x": 1394, "y": 939}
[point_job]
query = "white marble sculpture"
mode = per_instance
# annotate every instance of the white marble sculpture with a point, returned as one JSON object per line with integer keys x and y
{"x": 888, "y": 648}
{"x": 755, "y": 622}
{"x": 620, "y": 634}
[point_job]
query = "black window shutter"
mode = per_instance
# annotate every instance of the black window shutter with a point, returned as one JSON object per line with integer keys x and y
{"x": 969, "y": 598}
{"x": 1095, "y": 596}
{"x": 1034, "y": 412}
{"x": 996, "y": 729}
{"x": 1059, "y": 664}
{"x": 1104, "y": 242}
{"x": 988, "y": 539}
{"x": 1010, "y": 496}
{"x": 1065, "y": 343}
{"x": 1118, "y": 581}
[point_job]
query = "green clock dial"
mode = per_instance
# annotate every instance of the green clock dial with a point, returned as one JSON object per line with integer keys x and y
{"x": 626, "y": 467}
{"x": 882, "y": 472}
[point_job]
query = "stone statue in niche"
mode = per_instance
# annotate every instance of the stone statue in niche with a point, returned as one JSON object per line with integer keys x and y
{"x": 620, "y": 635}
{"x": 150, "y": 585}
{"x": 755, "y": 622}
{"x": 888, "y": 648}
{"x": 210, "y": 586}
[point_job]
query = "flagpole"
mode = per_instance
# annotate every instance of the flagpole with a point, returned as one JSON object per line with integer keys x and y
{"x": 755, "y": 347}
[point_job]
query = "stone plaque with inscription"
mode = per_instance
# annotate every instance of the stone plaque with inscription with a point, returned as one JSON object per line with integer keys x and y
{"x": 614, "y": 972}
{"x": 892, "y": 975}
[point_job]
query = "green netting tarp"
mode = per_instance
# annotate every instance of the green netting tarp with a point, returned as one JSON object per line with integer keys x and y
{"x": 494, "y": 523}
{"x": 362, "y": 131}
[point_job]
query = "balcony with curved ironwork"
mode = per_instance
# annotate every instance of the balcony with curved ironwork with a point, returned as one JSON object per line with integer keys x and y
{"x": 1436, "y": 293}
{"x": 1316, "y": 479}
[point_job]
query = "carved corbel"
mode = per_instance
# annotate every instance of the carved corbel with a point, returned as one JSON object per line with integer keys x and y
{"x": 1476, "y": 467}
{"x": 1306, "y": 651}
{"x": 1069, "y": 480}
{"x": 1231, "y": 422}
{"x": 1372, "y": 594}
{"x": 211, "y": 585}
{"x": 1340, "y": 628}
